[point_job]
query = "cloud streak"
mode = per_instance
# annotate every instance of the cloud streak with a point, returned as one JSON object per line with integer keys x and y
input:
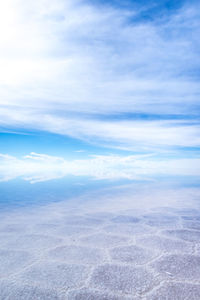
{"x": 126, "y": 134}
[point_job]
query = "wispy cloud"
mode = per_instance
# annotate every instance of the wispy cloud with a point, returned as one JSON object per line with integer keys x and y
{"x": 125, "y": 134}
{"x": 60, "y": 57}
{"x": 41, "y": 167}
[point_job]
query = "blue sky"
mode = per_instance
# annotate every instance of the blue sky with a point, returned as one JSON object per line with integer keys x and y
{"x": 108, "y": 89}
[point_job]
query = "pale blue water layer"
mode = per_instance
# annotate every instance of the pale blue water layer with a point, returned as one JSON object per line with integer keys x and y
{"x": 20, "y": 193}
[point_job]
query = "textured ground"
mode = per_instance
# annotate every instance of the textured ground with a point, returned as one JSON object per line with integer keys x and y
{"x": 116, "y": 252}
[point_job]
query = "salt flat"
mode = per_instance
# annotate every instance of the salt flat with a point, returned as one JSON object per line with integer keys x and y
{"x": 114, "y": 245}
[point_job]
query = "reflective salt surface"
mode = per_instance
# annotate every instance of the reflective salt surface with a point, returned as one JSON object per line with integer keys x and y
{"x": 115, "y": 243}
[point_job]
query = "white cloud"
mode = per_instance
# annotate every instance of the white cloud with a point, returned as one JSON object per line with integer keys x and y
{"x": 70, "y": 56}
{"x": 41, "y": 167}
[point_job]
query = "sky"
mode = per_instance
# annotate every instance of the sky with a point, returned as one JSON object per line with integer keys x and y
{"x": 105, "y": 89}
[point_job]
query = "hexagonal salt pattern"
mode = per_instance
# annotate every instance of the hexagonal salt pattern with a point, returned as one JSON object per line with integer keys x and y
{"x": 163, "y": 244}
{"x": 176, "y": 291}
{"x": 100, "y": 255}
{"x": 191, "y": 218}
{"x": 191, "y": 224}
{"x": 12, "y": 228}
{"x": 77, "y": 254}
{"x": 184, "y": 234}
{"x": 55, "y": 275}
{"x": 12, "y": 261}
{"x": 89, "y": 294}
{"x": 132, "y": 254}
{"x": 83, "y": 221}
{"x": 14, "y": 291}
{"x": 104, "y": 240}
{"x": 123, "y": 279}
{"x": 125, "y": 219}
{"x": 33, "y": 242}
{"x": 161, "y": 220}
{"x": 180, "y": 267}
{"x": 186, "y": 211}
{"x": 70, "y": 230}
{"x": 128, "y": 229}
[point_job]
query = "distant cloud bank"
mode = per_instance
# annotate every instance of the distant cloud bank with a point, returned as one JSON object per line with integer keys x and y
{"x": 41, "y": 167}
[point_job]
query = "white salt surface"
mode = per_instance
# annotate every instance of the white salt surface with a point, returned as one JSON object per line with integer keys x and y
{"x": 116, "y": 245}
